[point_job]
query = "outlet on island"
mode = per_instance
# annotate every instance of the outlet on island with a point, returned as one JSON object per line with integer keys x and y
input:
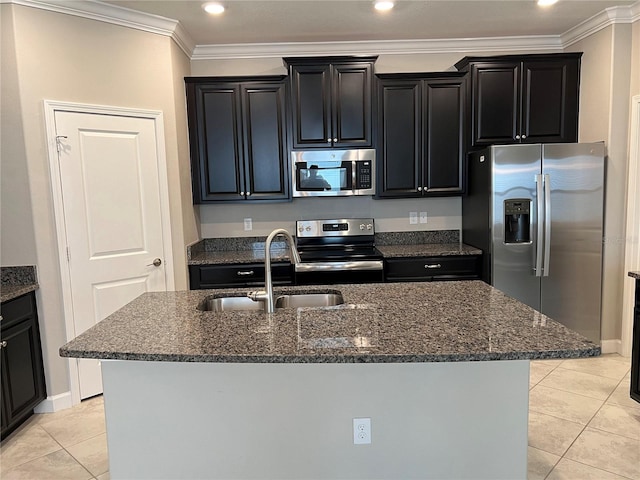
{"x": 361, "y": 431}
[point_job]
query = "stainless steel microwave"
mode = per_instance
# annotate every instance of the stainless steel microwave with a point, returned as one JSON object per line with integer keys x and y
{"x": 330, "y": 173}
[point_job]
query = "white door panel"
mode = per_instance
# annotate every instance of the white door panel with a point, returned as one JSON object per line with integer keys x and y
{"x": 111, "y": 199}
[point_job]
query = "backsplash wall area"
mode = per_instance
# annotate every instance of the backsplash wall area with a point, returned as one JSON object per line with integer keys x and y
{"x": 227, "y": 220}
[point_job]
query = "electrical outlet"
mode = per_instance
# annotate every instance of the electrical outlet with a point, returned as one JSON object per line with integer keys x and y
{"x": 413, "y": 218}
{"x": 361, "y": 431}
{"x": 423, "y": 217}
{"x": 248, "y": 224}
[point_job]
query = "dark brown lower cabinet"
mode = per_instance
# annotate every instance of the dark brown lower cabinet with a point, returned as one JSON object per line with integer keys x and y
{"x": 635, "y": 349}
{"x": 23, "y": 383}
{"x": 238, "y": 275}
{"x": 424, "y": 269}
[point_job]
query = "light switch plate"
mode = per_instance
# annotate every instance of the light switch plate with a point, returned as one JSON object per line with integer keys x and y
{"x": 413, "y": 218}
{"x": 248, "y": 224}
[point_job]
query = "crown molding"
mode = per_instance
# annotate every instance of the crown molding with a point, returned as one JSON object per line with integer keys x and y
{"x": 609, "y": 16}
{"x": 398, "y": 47}
{"x": 96, "y": 10}
{"x": 125, "y": 17}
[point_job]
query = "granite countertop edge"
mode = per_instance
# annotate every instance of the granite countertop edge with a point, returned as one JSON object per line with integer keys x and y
{"x": 11, "y": 292}
{"x": 347, "y": 358}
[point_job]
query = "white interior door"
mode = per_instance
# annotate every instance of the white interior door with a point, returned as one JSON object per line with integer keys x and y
{"x": 109, "y": 179}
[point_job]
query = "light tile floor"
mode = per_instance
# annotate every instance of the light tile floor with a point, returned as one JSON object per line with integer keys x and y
{"x": 582, "y": 425}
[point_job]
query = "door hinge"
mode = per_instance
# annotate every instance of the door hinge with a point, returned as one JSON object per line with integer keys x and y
{"x": 58, "y": 138}
{"x": 68, "y": 255}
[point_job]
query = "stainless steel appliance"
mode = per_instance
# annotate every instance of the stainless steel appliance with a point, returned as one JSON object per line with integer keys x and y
{"x": 333, "y": 172}
{"x": 337, "y": 251}
{"x": 536, "y": 211}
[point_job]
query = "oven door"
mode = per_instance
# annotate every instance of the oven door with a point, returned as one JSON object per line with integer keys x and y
{"x": 322, "y": 178}
{"x": 330, "y": 273}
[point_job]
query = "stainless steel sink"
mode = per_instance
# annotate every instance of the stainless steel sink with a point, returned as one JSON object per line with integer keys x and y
{"x": 230, "y": 304}
{"x": 309, "y": 300}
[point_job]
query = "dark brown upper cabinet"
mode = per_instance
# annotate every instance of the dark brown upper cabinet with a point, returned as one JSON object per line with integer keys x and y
{"x": 237, "y": 133}
{"x": 421, "y": 134}
{"x": 523, "y": 98}
{"x": 331, "y": 101}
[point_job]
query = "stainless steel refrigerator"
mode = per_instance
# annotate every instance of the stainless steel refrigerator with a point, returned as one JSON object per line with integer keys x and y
{"x": 536, "y": 211}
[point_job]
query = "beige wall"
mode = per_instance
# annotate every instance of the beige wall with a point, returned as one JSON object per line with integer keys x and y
{"x": 604, "y": 115}
{"x": 16, "y": 217}
{"x": 66, "y": 58}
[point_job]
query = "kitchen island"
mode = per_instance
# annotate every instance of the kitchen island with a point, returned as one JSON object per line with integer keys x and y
{"x": 440, "y": 368}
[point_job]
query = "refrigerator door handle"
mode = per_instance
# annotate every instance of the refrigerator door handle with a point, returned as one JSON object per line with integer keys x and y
{"x": 547, "y": 224}
{"x": 539, "y": 226}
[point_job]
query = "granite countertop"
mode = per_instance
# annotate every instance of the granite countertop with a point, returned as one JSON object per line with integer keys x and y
{"x": 635, "y": 275}
{"x": 16, "y": 281}
{"x": 399, "y": 322}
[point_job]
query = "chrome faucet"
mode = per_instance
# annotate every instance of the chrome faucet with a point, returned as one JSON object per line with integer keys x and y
{"x": 266, "y": 295}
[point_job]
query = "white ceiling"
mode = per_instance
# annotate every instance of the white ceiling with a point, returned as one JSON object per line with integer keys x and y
{"x": 275, "y": 21}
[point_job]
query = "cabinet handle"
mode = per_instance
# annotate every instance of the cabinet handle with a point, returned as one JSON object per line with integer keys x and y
{"x": 517, "y": 137}
{"x": 242, "y": 194}
{"x": 3, "y": 344}
{"x": 335, "y": 140}
{"x": 433, "y": 265}
{"x": 524, "y": 136}
{"x": 248, "y": 193}
{"x": 328, "y": 140}
{"x": 419, "y": 189}
{"x": 244, "y": 273}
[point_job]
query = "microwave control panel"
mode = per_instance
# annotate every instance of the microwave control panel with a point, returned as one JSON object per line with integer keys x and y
{"x": 363, "y": 175}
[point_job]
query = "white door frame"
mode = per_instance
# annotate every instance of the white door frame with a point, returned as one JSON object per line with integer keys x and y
{"x": 50, "y": 108}
{"x": 632, "y": 244}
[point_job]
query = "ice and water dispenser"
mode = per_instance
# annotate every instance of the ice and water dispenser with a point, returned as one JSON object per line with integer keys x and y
{"x": 517, "y": 212}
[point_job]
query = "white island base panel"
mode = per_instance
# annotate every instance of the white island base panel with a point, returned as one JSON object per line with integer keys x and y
{"x": 171, "y": 420}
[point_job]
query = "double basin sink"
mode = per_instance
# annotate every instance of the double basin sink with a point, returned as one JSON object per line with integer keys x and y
{"x": 215, "y": 303}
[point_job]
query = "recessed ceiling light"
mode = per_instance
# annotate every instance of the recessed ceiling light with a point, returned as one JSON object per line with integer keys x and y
{"x": 383, "y": 6}
{"x": 213, "y": 8}
{"x": 546, "y": 3}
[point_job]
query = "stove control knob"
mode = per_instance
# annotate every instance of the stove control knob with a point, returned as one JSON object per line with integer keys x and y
{"x": 308, "y": 229}
{"x": 301, "y": 229}
{"x": 369, "y": 227}
{"x": 362, "y": 226}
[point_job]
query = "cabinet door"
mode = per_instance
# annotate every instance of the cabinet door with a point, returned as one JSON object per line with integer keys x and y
{"x": 550, "y": 101}
{"x": 351, "y": 105}
{"x": 219, "y": 174}
{"x": 311, "y": 103}
{"x": 447, "y": 267}
{"x": 23, "y": 384}
{"x": 495, "y": 102}
{"x": 238, "y": 275}
{"x": 443, "y": 136}
{"x": 265, "y": 150}
{"x": 399, "y": 171}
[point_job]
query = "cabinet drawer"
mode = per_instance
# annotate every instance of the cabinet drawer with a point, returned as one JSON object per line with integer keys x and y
{"x": 238, "y": 275}
{"x": 460, "y": 267}
{"x": 17, "y": 309}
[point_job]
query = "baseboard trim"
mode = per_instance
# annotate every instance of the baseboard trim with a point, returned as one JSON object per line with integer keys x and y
{"x": 611, "y": 346}
{"x": 54, "y": 403}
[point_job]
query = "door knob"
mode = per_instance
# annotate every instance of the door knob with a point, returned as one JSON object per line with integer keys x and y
{"x": 156, "y": 263}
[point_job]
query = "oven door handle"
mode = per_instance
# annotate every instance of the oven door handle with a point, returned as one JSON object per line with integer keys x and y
{"x": 339, "y": 266}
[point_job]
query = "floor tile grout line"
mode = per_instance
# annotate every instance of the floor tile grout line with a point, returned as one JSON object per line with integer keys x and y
{"x": 583, "y": 430}
{"x": 597, "y": 468}
{"x": 29, "y": 427}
